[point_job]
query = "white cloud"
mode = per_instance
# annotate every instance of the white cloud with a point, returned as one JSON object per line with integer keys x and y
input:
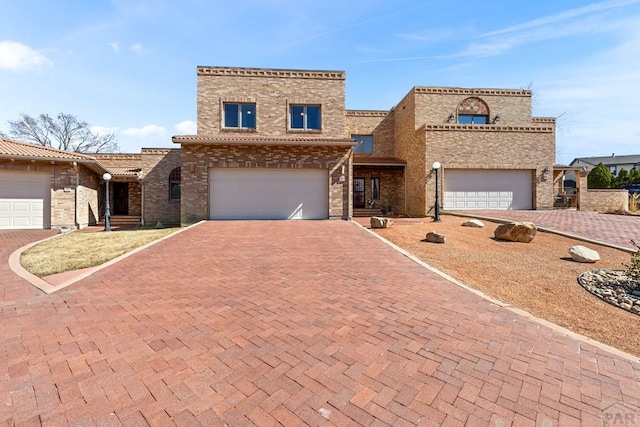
{"x": 17, "y": 56}
{"x": 186, "y": 127}
{"x": 146, "y": 131}
{"x": 115, "y": 46}
{"x": 102, "y": 130}
{"x": 136, "y": 47}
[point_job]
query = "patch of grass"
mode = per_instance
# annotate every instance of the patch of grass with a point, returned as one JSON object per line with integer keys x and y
{"x": 80, "y": 250}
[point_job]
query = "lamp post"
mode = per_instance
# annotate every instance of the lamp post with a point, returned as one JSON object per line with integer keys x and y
{"x": 436, "y": 217}
{"x": 107, "y": 209}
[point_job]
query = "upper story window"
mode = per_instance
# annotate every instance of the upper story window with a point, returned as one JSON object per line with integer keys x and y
{"x": 174, "y": 184}
{"x": 305, "y": 117}
{"x": 613, "y": 169}
{"x": 473, "y": 111}
{"x": 472, "y": 119}
{"x": 365, "y": 144}
{"x": 239, "y": 116}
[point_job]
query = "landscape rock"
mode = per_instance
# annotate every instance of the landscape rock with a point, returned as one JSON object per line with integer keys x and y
{"x": 473, "y": 223}
{"x": 523, "y": 232}
{"x": 583, "y": 254}
{"x": 434, "y": 237}
{"x": 614, "y": 287}
{"x": 380, "y": 222}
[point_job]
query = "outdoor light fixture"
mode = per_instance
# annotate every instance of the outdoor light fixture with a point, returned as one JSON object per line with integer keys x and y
{"x": 451, "y": 117}
{"x": 436, "y": 217}
{"x": 496, "y": 119}
{"x": 107, "y": 209}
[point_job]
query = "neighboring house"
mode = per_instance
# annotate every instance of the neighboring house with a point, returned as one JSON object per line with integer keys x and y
{"x": 614, "y": 163}
{"x": 43, "y": 187}
{"x": 280, "y": 144}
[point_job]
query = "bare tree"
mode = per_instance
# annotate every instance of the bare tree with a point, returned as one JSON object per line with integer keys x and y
{"x": 64, "y": 132}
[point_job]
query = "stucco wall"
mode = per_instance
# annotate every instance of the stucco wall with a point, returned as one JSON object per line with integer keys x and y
{"x": 198, "y": 159}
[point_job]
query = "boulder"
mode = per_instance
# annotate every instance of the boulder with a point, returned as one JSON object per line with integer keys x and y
{"x": 523, "y": 232}
{"x": 434, "y": 237}
{"x": 582, "y": 254}
{"x": 380, "y": 222}
{"x": 473, "y": 223}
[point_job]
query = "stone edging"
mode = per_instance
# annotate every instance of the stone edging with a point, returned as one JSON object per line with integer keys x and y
{"x": 47, "y": 288}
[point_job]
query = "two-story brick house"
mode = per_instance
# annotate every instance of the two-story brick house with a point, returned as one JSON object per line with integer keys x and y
{"x": 280, "y": 144}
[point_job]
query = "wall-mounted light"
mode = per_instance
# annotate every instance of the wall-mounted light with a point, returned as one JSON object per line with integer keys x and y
{"x": 545, "y": 170}
{"x": 451, "y": 118}
{"x": 496, "y": 119}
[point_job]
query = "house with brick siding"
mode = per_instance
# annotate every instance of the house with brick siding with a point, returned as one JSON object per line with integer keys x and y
{"x": 280, "y": 144}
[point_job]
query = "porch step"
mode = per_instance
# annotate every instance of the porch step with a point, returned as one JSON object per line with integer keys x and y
{"x": 366, "y": 212}
{"x": 123, "y": 220}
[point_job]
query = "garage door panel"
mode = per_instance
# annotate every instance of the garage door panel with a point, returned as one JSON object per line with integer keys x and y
{"x": 25, "y": 200}
{"x": 268, "y": 193}
{"x": 469, "y": 189}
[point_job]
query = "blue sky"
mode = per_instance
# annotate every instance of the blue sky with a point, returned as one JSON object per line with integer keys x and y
{"x": 129, "y": 66}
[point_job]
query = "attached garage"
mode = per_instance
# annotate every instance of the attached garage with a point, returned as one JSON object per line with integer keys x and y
{"x": 244, "y": 193}
{"x": 469, "y": 189}
{"x": 25, "y": 200}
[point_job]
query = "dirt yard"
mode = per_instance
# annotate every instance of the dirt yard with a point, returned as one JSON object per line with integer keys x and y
{"x": 538, "y": 277}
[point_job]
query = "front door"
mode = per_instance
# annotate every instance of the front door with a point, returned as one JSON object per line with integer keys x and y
{"x": 358, "y": 193}
{"x": 120, "y": 198}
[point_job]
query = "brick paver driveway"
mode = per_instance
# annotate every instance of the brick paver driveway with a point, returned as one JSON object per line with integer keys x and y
{"x": 291, "y": 323}
{"x": 614, "y": 229}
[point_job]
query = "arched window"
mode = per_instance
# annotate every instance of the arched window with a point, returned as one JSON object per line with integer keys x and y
{"x": 174, "y": 184}
{"x": 473, "y": 111}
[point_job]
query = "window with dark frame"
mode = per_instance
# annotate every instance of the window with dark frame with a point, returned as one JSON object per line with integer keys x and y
{"x": 473, "y": 119}
{"x": 175, "y": 183}
{"x": 364, "y": 144}
{"x": 239, "y": 116}
{"x": 375, "y": 188}
{"x": 305, "y": 117}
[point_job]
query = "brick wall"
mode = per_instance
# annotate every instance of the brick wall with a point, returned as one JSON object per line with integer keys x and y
{"x": 87, "y": 193}
{"x": 434, "y": 105}
{"x": 376, "y": 123}
{"x": 272, "y": 91}
{"x": 157, "y": 164}
{"x": 411, "y": 147}
{"x": 392, "y": 192}
{"x": 198, "y": 159}
{"x": 601, "y": 200}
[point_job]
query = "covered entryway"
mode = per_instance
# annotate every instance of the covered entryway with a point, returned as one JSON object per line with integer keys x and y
{"x": 243, "y": 193}
{"x": 487, "y": 189}
{"x": 25, "y": 200}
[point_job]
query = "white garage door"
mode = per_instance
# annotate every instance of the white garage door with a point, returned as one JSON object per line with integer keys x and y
{"x": 487, "y": 189}
{"x": 25, "y": 200}
{"x": 237, "y": 193}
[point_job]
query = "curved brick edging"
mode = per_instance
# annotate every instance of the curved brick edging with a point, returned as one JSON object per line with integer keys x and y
{"x": 546, "y": 230}
{"x": 502, "y": 304}
{"x": 48, "y": 288}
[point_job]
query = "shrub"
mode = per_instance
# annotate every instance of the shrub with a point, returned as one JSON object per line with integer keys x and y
{"x": 599, "y": 177}
{"x": 633, "y": 268}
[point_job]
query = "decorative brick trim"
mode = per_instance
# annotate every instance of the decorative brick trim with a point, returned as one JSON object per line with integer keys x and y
{"x": 367, "y": 113}
{"x": 263, "y": 72}
{"x": 488, "y": 128}
{"x": 462, "y": 91}
{"x": 158, "y": 150}
{"x": 543, "y": 119}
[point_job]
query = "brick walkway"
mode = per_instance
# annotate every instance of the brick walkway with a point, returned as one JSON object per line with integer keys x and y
{"x": 615, "y": 229}
{"x": 291, "y": 323}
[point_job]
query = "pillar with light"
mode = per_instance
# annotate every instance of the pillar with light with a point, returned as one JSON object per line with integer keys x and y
{"x": 436, "y": 217}
{"x": 107, "y": 209}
